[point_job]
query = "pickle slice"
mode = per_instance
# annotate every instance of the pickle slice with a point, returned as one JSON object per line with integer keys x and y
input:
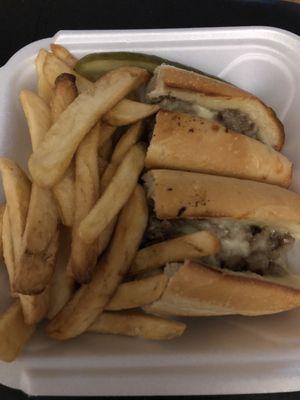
{"x": 95, "y": 65}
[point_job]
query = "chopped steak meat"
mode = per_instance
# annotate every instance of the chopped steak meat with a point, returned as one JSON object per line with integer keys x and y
{"x": 237, "y": 121}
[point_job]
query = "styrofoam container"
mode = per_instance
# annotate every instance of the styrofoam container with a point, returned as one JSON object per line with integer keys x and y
{"x": 215, "y": 355}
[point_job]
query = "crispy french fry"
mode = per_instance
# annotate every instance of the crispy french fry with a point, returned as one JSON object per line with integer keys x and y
{"x": 37, "y": 114}
{"x": 138, "y": 324}
{"x": 195, "y": 245}
{"x": 35, "y": 265}
{"x": 63, "y": 54}
{"x": 126, "y": 141}
{"x": 50, "y": 161}
{"x": 84, "y": 256}
{"x": 127, "y": 112}
{"x": 138, "y": 293}
{"x": 17, "y": 191}
{"x": 65, "y": 91}
{"x": 115, "y": 196}
{"x": 102, "y": 165}
{"x": 107, "y": 132}
{"x": 44, "y": 88}
{"x": 8, "y": 251}
{"x": 64, "y": 191}
{"x": 62, "y": 286}
{"x": 14, "y": 333}
{"x": 2, "y": 209}
{"x": 90, "y": 300}
{"x": 35, "y": 307}
{"x": 53, "y": 67}
{"x": 16, "y": 187}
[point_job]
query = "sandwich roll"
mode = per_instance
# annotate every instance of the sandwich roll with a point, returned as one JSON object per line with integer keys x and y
{"x": 176, "y": 89}
{"x": 178, "y": 194}
{"x": 194, "y": 289}
{"x": 185, "y": 142}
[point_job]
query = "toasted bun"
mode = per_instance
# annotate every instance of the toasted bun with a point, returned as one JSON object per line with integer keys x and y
{"x": 185, "y": 142}
{"x": 216, "y": 95}
{"x": 196, "y": 290}
{"x": 179, "y": 194}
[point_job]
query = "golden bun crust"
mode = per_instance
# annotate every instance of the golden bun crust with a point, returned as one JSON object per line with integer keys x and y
{"x": 196, "y": 290}
{"x": 216, "y": 95}
{"x": 185, "y": 142}
{"x": 179, "y": 194}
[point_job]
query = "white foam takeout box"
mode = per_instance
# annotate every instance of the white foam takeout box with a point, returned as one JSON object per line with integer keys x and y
{"x": 215, "y": 355}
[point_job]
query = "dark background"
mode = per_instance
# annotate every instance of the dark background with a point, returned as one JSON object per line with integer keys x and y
{"x": 23, "y": 21}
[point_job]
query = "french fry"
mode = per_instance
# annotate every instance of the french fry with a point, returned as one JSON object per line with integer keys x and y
{"x": 126, "y": 141}
{"x": 106, "y": 150}
{"x": 35, "y": 307}
{"x": 65, "y": 91}
{"x": 37, "y": 114}
{"x": 137, "y": 324}
{"x": 138, "y": 293}
{"x": 102, "y": 165}
{"x": 2, "y": 209}
{"x": 16, "y": 187}
{"x": 115, "y": 196}
{"x": 8, "y": 251}
{"x": 63, "y": 54}
{"x": 90, "y": 300}
{"x": 53, "y": 67}
{"x": 127, "y": 112}
{"x": 14, "y": 333}
{"x": 49, "y": 162}
{"x": 35, "y": 264}
{"x": 64, "y": 194}
{"x": 195, "y": 245}
{"x": 84, "y": 256}
{"x": 64, "y": 191}
{"x": 107, "y": 132}
{"x": 17, "y": 191}
{"x": 44, "y": 88}
{"x": 62, "y": 286}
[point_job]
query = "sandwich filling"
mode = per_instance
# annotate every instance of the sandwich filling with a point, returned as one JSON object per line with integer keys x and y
{"x": 244, "y": 247}
{"x": 231, "y": 118}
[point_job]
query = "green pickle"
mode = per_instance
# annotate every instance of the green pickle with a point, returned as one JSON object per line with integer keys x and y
{"x": 95, "y": 65}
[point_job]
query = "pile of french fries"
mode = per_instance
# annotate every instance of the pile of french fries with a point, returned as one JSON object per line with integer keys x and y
{"x": 71, "y": 231}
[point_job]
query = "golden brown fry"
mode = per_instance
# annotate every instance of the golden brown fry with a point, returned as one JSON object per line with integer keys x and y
{"x": 195, "y": 245}
{"x": 14, "y": 333}
{"x": 138, "y": 293}
{"x": 126, "y": 141}
{"x": 44, "y": 88}
{"x": 84, "y": 256}
{"x": 34, "y": 266}
{"x": 16, "y": 187}
{"x": 115, "y": 196}
{"x": 65, "y": 91}
{"x": 64, "y": 191}
{"x": 102, "y": 165}
{"x": 106, "y": 134}
{"x": 63, "y": 54}
{"x": 127, "y": 112}
{"x": 37, "y": 114}
{"x": 49, "y": 163}
{"x": 17, "y": 190}
{"x": 35, "y": 307}
{"x": 2, "y": 209}
{"x": 53, "y": 67}
{"x": 90, "y": 300}
{"x": 137, "y": 324}
{"x": 62, "y": 286}
{"x": 8, "y": 251}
